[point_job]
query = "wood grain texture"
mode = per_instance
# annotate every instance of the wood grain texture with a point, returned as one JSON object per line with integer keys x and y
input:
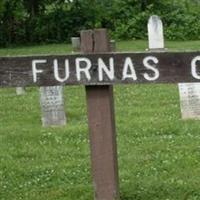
{"x": 174, "y": 67}
{"x": 101, "y": 120}
{"x": 87, "y": 41}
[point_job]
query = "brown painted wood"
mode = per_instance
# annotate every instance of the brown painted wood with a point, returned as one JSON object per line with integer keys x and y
{"x": 174, "y": 67}
{"x": 101, "y": 121}
{"x": 101, "y": 41}
{"x": 87, "y": 41}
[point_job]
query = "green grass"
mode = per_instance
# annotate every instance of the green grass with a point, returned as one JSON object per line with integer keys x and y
{"x": 36, "y": 50}
{"x": 132, "y": 45}
{"x": 137, "y": 45}
{"x": 159, "y": 154}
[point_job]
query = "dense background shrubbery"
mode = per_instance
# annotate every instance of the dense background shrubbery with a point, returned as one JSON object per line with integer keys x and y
{"x": 46, "y": 21}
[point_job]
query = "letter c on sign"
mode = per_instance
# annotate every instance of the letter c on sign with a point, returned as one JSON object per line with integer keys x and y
{"x": 194, "y": 67}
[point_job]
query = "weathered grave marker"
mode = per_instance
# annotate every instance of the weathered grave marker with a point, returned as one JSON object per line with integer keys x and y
{"x": 189, "y": 106}
{"x": 76, "y": 43}
{"x": 190, "y": 100}
{"x": 20, "y": 90}
{"x": 52, "y": 106}
{"x": 112, "y": 45}
{"x": 101, "y": 124}
{"x": 155, "y": 33}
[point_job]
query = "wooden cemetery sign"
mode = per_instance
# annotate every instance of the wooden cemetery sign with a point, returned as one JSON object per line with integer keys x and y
{"x": 98, "y": 70}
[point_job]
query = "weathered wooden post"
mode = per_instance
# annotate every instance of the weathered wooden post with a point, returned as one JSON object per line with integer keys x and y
{"x": 101, "y": 122}
{"x": 20, "y": 91}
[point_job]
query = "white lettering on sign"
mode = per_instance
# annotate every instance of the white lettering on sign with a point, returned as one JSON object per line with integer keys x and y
{"x": 151, "y": 67}
{"x": 128, "y": 66}
{"x": 35, "y": 70}
{"x": 103, "y": 68}
{"x": 194, "y": 67}
{"x": 56, "y": 71}
{"x": 85, "y": 70}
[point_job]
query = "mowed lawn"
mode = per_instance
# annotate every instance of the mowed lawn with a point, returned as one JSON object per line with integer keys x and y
{"x": 158, "y": 153}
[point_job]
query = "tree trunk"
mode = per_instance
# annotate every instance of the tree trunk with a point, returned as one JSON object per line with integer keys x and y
{"x": 32, "y": 7}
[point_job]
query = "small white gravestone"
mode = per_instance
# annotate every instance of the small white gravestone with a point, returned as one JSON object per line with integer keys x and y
{"x": 52, "y": 106}
{"x": 190, "y": 100}
{"x": 20, "y": 90}
{"x": 155, "y": 33}
{"x": 76, "y": 44}
{"x": 112, "y": 45}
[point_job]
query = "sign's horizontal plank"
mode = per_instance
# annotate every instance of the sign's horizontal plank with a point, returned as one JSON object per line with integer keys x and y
{"x": 95, "y": 69}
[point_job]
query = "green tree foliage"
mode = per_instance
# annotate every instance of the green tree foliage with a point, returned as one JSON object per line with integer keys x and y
{"x": 45, "y": 21}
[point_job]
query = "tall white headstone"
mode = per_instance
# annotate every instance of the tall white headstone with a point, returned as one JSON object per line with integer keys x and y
{"x": 155, "y": 33}
{"x": 52, "y": 106}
